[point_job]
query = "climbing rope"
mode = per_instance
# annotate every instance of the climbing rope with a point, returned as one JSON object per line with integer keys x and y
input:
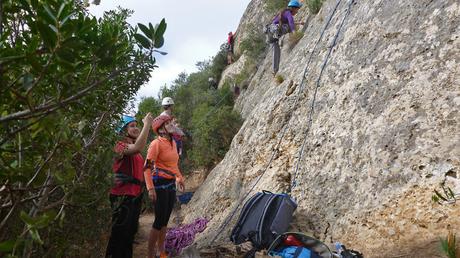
{"x": 229, "y": 218}
{"x": 182, "y": 236}
{"x": 312, "y": 106}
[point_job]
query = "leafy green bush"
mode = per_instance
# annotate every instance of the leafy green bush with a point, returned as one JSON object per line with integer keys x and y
{"x": 314, "y": 5}
{"x": 213, "y": 132}
{"x": 254, "y": 44}
{"x": 65, "y": 79}
{"x": 274, "y": 6}
{"x": 219, "y": 62}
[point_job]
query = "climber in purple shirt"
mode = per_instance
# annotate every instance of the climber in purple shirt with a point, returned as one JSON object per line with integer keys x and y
{"x": 283, "y": 23}
{"x": 287, "y": 17}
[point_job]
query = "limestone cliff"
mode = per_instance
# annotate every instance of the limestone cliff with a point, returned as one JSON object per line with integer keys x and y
{"x": 385, "y": 129}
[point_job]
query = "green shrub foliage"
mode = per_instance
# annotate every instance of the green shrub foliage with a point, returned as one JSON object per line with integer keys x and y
{"x": 65, "y": 78}
{"x": 254, "y": 45}
{"x": 274, "y": 6}
{"x": 314, "y": 5}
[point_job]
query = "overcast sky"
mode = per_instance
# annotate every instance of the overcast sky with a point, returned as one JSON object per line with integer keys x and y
{"x": 195, "y": 31}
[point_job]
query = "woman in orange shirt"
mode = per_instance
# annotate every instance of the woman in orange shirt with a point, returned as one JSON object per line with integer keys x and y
{"x": 161, "y": 175}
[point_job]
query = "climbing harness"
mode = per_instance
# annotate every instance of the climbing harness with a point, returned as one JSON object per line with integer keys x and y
{"x": 312, "y": 106}
{"x": 229, "y": 218}
{"x": 156, "y": 176}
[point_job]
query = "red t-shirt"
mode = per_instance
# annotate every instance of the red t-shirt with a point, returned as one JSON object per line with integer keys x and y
{"x": 136, "y": 164}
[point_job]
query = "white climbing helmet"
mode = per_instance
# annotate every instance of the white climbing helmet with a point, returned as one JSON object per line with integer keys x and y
{"x": 167, "y": 101}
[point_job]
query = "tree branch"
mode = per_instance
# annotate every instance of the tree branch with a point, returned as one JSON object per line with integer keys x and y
{"x": 43, "y": 164}
{"x": 1, "y": 31}
{"x": 1, "y": 19}
{"x": 45, "y": 109}
{"x": 54, "y": 204}
{"x": 44, "y": 193}
{"x": 20, "y": 129}
{"x": 45, "y": 68}
{"x": 7, "y": 217}
{"x": 31, "y": 198}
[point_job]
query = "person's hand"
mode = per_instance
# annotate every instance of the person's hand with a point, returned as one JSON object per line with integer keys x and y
{"x": 148, "y": 119}
{"x": 153, "y": 195}
{"x": 181, "y": 186}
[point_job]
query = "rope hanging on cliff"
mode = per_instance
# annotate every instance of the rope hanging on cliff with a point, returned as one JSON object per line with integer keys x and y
{"x": 312, "y": 106}
{"x": 229, "y": 218}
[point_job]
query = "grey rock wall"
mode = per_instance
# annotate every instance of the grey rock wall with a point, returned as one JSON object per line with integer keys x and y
{"x": 385, "y": 130}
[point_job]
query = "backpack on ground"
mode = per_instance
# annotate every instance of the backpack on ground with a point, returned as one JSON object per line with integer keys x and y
{"x": 287, "y": 243}
{"x": 263, "y": 217}
{"x": 295, "y": 252}
{"x": 295, "y": 240}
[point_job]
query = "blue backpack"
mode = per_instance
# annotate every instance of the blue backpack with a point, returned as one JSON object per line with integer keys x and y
{"x": 295, "y": 252}
{"x": 309, "y": 247}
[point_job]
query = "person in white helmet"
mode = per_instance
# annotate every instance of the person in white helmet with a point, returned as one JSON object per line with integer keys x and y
{"x": 167, "y": 104}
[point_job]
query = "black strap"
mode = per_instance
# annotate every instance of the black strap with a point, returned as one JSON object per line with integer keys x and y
{"x": 251, "y": 253}
{"x": 126, "y": 179}
{"x": 164, "y": 171}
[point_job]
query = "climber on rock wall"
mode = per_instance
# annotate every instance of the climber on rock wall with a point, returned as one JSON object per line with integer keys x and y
{"x": 283, "y": 23}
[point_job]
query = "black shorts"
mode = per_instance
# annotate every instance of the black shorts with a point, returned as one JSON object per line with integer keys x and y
{"x": 166, "y": 197}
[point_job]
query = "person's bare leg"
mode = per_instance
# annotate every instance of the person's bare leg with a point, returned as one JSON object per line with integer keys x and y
{"x": 161, "y": 240}
{"x": 153, "y": 240}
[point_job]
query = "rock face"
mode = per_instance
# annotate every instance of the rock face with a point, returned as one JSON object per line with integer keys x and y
{"x": 384, "y": 132}
{"x": 232, "y": 70}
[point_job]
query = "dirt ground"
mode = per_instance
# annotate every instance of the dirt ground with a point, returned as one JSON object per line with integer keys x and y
{"x": 140, "y": 245}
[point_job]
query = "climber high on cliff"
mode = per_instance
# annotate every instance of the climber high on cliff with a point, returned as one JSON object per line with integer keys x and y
{"x": 283, "y": 23}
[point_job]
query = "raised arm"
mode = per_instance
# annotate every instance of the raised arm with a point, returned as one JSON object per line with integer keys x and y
{"x": 142, "y": 138}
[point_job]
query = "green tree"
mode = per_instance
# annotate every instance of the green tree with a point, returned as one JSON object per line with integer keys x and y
{"x": 148, "y": 104}
{"x": 213, "y": 132}
{"x": 65, "y": 78}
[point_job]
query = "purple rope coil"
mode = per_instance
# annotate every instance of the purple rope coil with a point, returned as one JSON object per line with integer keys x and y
{"x": 182, "y": 236}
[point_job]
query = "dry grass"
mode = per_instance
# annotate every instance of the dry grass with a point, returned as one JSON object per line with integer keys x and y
{"x": 294, "y": 38}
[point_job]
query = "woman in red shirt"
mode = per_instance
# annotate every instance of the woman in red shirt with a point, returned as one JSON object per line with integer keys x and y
{"x": 125, "y": 195}
{"x": 161, "y": 177}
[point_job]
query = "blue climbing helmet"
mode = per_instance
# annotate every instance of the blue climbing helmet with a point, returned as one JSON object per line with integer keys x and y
{"x": 124, "y": 122}
{"x": 294, "y": 3}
